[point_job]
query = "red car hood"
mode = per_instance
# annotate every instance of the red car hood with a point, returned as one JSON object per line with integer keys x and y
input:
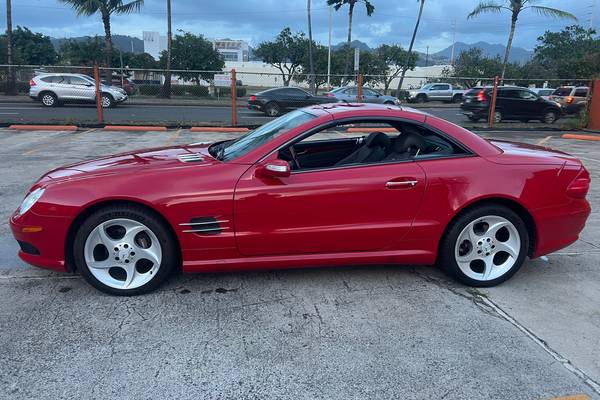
{"x": 161, "y": 158}
{"x": 522, "y": 153}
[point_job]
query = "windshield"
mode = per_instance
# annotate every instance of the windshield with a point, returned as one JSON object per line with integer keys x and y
{"x": 427, "y": 86}
{"x": 263, "y": 134}
{"x": 563, "y": 91}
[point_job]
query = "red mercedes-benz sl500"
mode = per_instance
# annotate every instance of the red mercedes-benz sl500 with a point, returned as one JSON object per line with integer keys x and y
{"x": 325, "y": 185}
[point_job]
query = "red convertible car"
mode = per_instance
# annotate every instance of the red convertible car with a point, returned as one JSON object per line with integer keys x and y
{"x": 325, "y": 185}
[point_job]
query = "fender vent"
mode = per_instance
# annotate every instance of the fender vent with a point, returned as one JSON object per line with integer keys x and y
{"x": 204, "y": 226}
{"x": 192, "y": 157}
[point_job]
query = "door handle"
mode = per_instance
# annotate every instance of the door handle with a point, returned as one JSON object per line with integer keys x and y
{"x": 398, "y": 184}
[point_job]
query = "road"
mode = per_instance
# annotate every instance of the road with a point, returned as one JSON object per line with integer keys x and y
{"x": 25, "y": 112}
{"x": 374, "y": 332}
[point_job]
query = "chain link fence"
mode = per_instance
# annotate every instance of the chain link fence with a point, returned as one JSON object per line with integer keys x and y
{"x": 193, "y": 97}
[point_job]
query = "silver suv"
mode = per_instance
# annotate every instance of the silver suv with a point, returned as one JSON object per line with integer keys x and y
{"x": 55, "y": 89}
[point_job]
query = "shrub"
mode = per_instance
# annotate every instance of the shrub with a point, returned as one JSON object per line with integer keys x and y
{"x": 225, "y": 91}
{"x": 22, "y": 87}
{"x": 197, "y": 91}
{"x": 148, "y": 89}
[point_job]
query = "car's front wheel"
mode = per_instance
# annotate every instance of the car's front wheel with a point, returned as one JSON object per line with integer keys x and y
{"x": 550, "y": 117}
{"x": 272, "y": 109}
{"x": 107, "y": 100}
{"x": 485, "y": 246}
{"x": 124, "y": 250}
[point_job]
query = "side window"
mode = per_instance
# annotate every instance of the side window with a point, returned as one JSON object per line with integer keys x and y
{"x": 352, "y": 91}
{"x": 48, "y": 79}
{"x": 581, "y": 93}
{"x": 509, "y": 94}
{"x": 527, "y": 95}
{"x": 370, "y": 92}
{"x": 75, "y": 80}
{"x": 296, "y": 92}
{"x": 361, "y": 143}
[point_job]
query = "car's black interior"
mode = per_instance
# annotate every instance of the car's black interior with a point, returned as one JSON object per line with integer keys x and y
{"x": 411, "y": 142}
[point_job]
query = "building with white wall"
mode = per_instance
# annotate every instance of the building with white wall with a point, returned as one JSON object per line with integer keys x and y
{"x": 232, "y": 50}
{"x": 154, "y": 44}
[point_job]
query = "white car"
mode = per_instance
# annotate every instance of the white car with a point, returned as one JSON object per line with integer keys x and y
{"x": 544, "y": 93}
{"x": 56, "y": 89}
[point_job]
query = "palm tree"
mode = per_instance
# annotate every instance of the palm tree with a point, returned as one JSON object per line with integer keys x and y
{"x": 105, "y": 8}
{"x": 515, "y": 7}
{"x": 11, "y": 87}
{"x": 165, "y": 90}
{"x": 412, "y": 43}
{"x": 337, "y": 4}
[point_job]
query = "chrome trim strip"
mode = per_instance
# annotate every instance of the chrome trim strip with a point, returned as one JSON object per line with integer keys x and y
{"x": 204, "y": 230}
{"x": 203, "y": 223}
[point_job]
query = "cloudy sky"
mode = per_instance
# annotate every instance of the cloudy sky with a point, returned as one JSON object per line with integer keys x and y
{"x": 258, "y": 20}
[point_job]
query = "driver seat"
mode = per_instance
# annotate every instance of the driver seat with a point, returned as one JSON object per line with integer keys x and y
{"x": 407, "y": 145}
{"x": 374, "y": 149}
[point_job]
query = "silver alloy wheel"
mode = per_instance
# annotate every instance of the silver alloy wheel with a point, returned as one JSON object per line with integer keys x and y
{"x": 487, "y": 248}
{"x": 272, "y": 110}
{"x": 497, "y": 117}
{"x": 549, "y": 117}
{"x": 122, "y": 253}
{"x": 106, "y": 101}
{"x": 48, "y": 100}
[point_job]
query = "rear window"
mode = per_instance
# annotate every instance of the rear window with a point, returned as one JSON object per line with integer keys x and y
{"x": 563, "y": 91}
{"x": 581, "y": 93}
{"x": 473, "y": 92}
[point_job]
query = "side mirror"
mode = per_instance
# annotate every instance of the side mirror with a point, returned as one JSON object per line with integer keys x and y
{"x": 276, "y": 169}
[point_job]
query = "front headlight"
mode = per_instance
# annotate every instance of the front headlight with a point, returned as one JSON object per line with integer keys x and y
{"x": 30, "y": 200}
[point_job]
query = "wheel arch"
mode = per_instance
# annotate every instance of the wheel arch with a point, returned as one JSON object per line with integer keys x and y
{"x": 46, "y": 91}
{"x": 507, "y": 202}
{"x": 92, "y": 207}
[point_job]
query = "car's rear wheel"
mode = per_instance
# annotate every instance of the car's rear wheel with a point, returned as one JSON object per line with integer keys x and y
{"x": 124, "y": 250}
{"x": 49, "y": 99}
{"x": 107, "y": 100}
{"x": 272, "y": 109}
{"x": 550, "y": 117}
{"x": 457, "y": 98}
{"x": 484, "y": 246}
{"x": 473, "y": 118}
{"x": 389, "y": 103}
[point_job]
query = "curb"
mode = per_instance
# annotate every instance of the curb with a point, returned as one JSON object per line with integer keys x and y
{"x": 216, "y": 129}
{"x": 130, "y": 128}
{"x": 71, "y": 128}
{"x": 581, "y": 137}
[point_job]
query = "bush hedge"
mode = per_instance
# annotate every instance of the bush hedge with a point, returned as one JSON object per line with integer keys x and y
{"x": 176, "y": 90}
{"x": 22, "y": 87}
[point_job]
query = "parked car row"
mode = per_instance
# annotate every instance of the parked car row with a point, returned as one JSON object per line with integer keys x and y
{"x": 436, "y": 91}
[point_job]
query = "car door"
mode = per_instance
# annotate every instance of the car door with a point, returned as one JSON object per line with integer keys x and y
{"x": 82, "y": 89}
{"x": 371, "y": 96}
{"x": 507, "y": 102}
{"x": 343, "y": 209}
{"x": 443, "y": 92}
{"x": 530, "y": 105}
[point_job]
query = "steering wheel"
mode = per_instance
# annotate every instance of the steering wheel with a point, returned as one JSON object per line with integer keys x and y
{"x": 294, "y": 157}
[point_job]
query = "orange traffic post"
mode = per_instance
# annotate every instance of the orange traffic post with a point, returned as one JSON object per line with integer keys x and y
{"x": 233, "y": 98}
{"x": 98, "y": 94}
{"x": 359, "y": 94}
{"x": 493, "y": 103}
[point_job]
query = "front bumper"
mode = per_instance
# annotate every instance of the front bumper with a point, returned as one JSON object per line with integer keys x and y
{"x": 42, "y": 239}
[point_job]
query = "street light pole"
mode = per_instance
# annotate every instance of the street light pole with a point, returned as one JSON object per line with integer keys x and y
{"x": 11, "y": 88}
{"x": 166, "y": 88}
{"x": 329, "y": 51}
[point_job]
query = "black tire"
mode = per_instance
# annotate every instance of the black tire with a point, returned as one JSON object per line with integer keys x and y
{"x": 446, "y": 257}
{"x": 49, "y": 99}
{"x": 272, "y": 109}
{"x": 457, "y": 98}
{"x": 421, "y": 99}
{"x": 170, "y": 250}
{"x": 550, "y": 117}
{"x": 474, "y": 119}
{"x": 107, "y": 100}
{"x": 389, "y": 103}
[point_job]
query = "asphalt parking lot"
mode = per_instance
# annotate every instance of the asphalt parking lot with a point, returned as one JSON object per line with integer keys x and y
{"x": 325, "y": 333}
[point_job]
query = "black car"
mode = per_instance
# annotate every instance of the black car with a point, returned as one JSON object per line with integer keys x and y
{"x": 274, "y": 102}
{"x": 512, "y": 103}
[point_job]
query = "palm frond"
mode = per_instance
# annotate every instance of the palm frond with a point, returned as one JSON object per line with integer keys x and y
{"x": 128, "y": 8}
{"x": 486, "y": 7}
{"x": 337, "y": 4}
{"x": 553, "y": 12}
{"x": 84, "y": 7}
{"x": 370, "y": 7}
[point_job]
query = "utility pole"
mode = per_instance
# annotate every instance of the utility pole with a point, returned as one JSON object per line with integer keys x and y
{"x": 593, "y": 14}
{"x": 311, "y": 78}
{"x": 11, "y": 87}
{"x": 165, "y": 91}
{"x": 329, "y": 51}
{"x": 453, "y": 41}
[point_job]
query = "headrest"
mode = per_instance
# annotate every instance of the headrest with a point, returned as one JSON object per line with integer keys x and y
{"x": 378, "y": 139}
{"x": 409, "y": 140}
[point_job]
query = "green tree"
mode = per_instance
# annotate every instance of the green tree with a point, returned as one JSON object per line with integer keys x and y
{"x": 106, "y": 8}
{"x": 30, "y": 48}
{"x": 193, "y": 52}
{"x": 85, "y": 52}
{"x": 320, "y": 55}
{"x": 337, "y": 4}
{"x": 570, "y": 53}
{"x": 286, "y": 53}
{"x": 396, "y": 60}
{"x": 471, "y": 66}
{"x": 412, "y": 43}
{"x": 515, "y": 7}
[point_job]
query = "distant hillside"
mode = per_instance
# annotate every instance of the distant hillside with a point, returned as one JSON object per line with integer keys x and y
{"x": 517, "y": 54}
{"x": 120, "y": 42}
{"x": 355, "y": 44}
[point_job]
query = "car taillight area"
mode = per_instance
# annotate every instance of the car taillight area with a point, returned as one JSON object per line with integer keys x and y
{"x": 481, "y": 96}
{"x": 252, "y": 98}
{"x": 31, "y": 83}
{"x": 580, "y": 186}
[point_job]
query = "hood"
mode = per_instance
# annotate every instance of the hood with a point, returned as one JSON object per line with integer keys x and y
{"x": 522, "y": 153}
{"x": 161, "y": 158}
